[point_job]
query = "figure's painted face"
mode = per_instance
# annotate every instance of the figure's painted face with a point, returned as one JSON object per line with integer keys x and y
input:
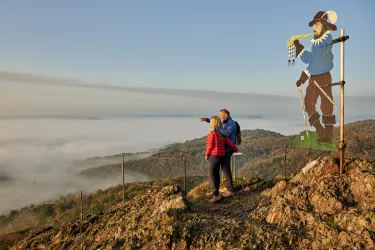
{"x": 318, "y": 30}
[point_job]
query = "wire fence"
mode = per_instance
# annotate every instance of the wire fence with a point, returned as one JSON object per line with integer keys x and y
{"x": 33, "y": 219}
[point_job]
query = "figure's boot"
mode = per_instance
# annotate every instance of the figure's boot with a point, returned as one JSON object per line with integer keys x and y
{"x": 328, "y": 121}
{"x": 315, "y": 122}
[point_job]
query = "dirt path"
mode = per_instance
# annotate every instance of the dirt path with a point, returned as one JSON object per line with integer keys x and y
{"x": 237, "y": 207}
{"x": 228, "y": 219}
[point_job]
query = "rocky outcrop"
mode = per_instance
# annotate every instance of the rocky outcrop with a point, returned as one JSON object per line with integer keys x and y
{"x": 146, "y": 222}
{"x": 332, "y": 210}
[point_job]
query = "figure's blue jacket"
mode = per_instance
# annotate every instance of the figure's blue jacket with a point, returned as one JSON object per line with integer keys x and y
{"x": 319, "y": 60}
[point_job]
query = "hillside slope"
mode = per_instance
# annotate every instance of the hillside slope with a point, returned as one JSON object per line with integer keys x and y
{"x": 316, "y": 209}
{"x": 263, "y": 154}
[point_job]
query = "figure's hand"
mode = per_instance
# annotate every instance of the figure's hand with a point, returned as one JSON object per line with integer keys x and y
{"x": 203, "y": 119}
{"x": 296, "y": 42}
{"x": 302, "y": 79}
{"x": 299, "y": 47}
{"x": 207, "y": 158}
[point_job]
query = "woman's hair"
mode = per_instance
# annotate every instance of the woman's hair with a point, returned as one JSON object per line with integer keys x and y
{"x": 216, "y": 122}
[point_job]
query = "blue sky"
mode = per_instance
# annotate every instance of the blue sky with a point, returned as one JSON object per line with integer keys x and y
{"x": 234, "y": 46}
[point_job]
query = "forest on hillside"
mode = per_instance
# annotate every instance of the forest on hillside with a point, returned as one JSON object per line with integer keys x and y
{"x": 262, "y": 156}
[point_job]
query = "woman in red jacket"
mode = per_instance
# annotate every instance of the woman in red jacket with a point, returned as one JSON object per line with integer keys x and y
{"x": 215, "y": 152}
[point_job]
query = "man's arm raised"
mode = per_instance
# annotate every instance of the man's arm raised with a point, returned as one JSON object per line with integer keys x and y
{"x": 203, "y": 119}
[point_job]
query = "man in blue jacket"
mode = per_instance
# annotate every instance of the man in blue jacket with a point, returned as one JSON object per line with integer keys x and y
{"x": 320, "y": 63}
{"x": 229, "y": 129}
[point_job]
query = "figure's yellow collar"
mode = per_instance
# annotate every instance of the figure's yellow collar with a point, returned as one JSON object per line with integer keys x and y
{"x": 320, "y": 40}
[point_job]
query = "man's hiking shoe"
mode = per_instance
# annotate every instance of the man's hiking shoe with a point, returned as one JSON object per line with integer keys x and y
{"x": 215, "y": 199}
{"x": 223, "y": 190}
{"x": 227, "y": 194}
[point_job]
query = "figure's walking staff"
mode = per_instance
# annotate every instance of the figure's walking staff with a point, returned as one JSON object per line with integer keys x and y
{"x": 342, "y": 144}
{"x": 303, "y": 109}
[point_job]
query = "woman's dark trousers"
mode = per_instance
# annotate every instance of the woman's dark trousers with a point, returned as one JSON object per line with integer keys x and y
{"x": 214, "y": 173}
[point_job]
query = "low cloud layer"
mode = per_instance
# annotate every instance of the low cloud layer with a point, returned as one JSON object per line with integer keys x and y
{"x": 45, "y": 151}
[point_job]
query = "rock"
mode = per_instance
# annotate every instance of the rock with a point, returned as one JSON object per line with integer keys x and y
{"x": 326, "y": 242}
{"x": 280, "y": 186}
{"x": 344, "y": 238}
{"x": 333, "y": 169}
{"x": 338, "y": 206}
{"x": 315, "y": 245}
{"x": 309, "y": 166}
{"x": 274, "y": 217}
{"x": 182, "y": 245}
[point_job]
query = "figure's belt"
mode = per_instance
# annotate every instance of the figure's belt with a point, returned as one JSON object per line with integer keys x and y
{"x": 320, "y": 74}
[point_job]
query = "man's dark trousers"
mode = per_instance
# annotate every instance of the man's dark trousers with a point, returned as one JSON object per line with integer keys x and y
{"x": 225, "y": 167}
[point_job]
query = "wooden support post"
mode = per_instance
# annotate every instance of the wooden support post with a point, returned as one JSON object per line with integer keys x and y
{"x": 235, "y": 169}
{"x": 231, "y": 166}
{"x": 342, "y": 139}
{"x": 123, "y": 179}
{"x": 185, "y": 191}
{"x": 81, "y": 208}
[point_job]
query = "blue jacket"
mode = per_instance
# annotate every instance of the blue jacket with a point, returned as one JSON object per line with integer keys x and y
{"x": 229, "y": 129}
{"x": 320, "y": 60}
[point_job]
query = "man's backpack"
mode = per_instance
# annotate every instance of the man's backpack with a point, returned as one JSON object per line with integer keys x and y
{"x": 238, "y": 133}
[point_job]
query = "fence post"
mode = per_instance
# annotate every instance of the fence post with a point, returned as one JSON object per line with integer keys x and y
{"x": 285, "y": 163}
{"x": 123, "y": 179}
{"x": 184, "y": 175}
{"x": 81, "y": 208}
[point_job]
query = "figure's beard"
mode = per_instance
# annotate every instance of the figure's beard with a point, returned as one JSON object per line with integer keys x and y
{"x": 318, "y": 35}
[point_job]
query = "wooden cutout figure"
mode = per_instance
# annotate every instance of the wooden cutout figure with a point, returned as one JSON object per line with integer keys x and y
{"x": 320, "y": 63}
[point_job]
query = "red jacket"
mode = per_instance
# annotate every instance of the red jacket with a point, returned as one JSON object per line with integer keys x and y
{"x": 215, "y": 146}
